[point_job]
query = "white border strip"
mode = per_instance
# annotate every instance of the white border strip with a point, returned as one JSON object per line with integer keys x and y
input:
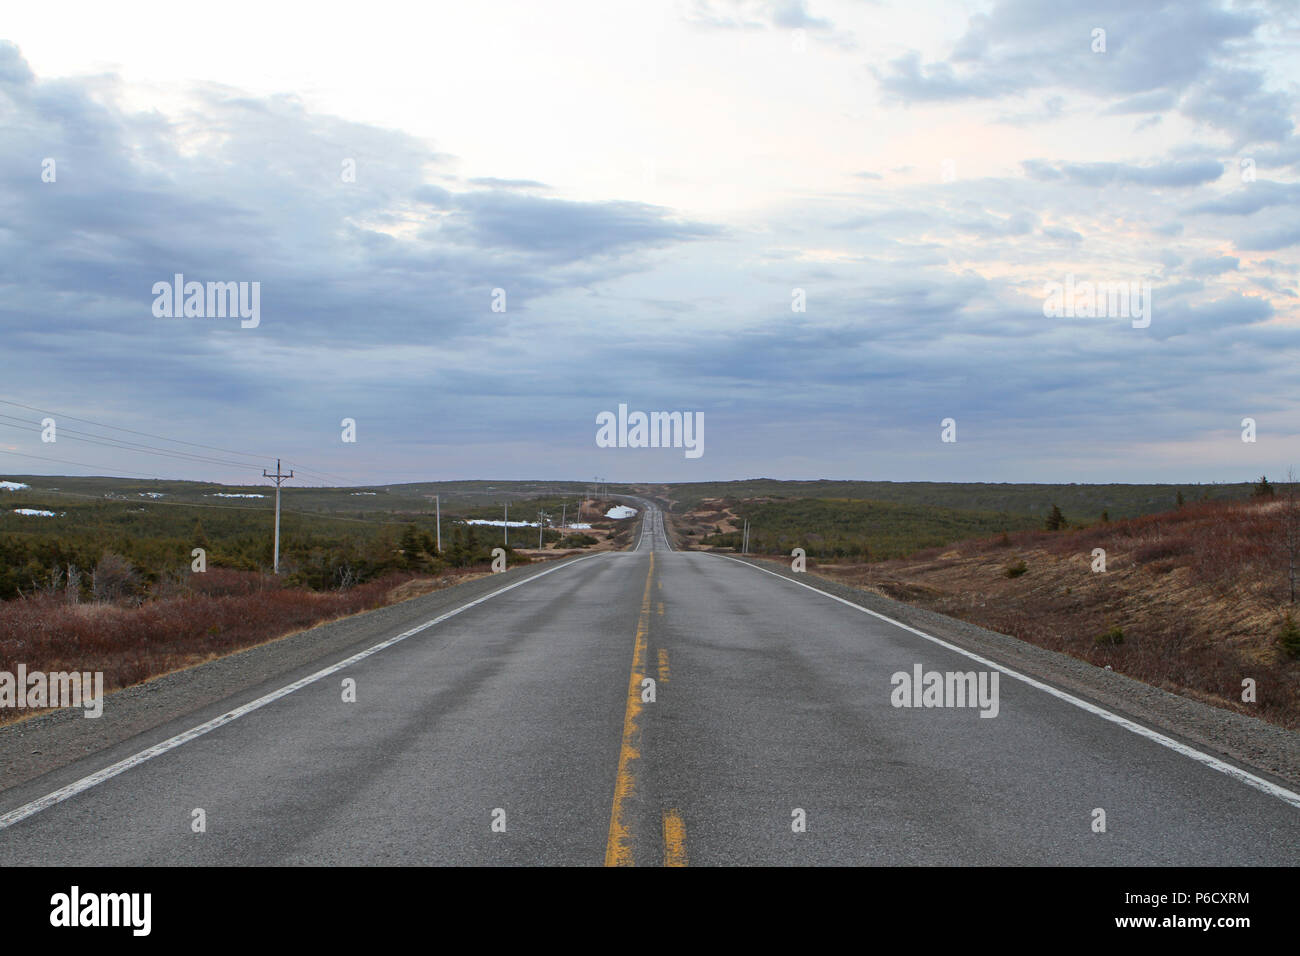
{"x": 107, "y": 773}
{"x": 1236, "y": 773}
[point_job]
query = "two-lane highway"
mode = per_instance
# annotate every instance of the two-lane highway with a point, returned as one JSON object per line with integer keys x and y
{"x": 658, "y": 707}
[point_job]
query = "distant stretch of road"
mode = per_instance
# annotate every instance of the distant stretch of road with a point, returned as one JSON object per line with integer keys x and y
{"x": 651, "y": 707}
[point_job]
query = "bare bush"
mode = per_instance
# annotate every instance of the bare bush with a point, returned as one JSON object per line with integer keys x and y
{"x": 131, "y": 644}
{"x": 73, "y": 589}
{"x": 114, "y": 578}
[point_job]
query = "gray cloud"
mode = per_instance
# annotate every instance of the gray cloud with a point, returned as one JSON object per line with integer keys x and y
{"x": 1279, "y": 237}
{"x": 923, "y": 302}
{"x": 1261, "y": 194}
{"x": 1213, "y": 265}
{"x": 1061, "y": 234}
{"x": 565, "y": 230}
{"x": 1159, "y": 56}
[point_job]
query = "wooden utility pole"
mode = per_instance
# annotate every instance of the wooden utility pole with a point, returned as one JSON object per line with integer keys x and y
{"x": 279, "y": 479}
{"x": 1292, "y": 526}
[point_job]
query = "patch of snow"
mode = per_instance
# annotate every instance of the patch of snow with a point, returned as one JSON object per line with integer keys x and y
{"x": 152, "y": 494}
{"x": 620, "y": 511}
{"x": 222, "y": 494}
{"x": 13, "y": 485}
{"x": 33, "y": 511}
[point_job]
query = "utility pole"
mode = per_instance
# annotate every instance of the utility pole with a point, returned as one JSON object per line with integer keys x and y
{"x": 1292, "y": 531}
{"x": 540, "y": 515}
{"x": 279, "y": 478}
{"x": 437, "y": 510}
{"x": 505, "y": 526}
{"x": 563, "y": 509}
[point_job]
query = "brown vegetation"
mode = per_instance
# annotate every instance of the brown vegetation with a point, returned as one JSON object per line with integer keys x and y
{"x": 1199, "y": 596}
{"x": 203, "y": 617}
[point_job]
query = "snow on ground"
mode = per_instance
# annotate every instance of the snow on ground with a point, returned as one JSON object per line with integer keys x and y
{"x": 620, "y": 511}
{"x": 152, "y": 494}
{"x": 222, "y": 494}
{"x": 13, "y": 485}
{"x": 355, "y": 493}
{"x": 33, "y": 511}
{"x": 495, "y": 523}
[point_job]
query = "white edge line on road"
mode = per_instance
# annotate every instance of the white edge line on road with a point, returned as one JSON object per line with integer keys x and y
{"x": 1259, "y": 783}
{"x": 112, "y": 770}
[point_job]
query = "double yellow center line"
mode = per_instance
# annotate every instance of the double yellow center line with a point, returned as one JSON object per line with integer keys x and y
{"x": 618, "y": 846}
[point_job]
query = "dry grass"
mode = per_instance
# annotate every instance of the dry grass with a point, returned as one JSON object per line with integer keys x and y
{"x": 215, "y": 614}
{"x": 1199, "y": 594}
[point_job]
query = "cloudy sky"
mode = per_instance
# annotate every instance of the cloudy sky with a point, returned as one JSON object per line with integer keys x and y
{"x": 650, "y": 183}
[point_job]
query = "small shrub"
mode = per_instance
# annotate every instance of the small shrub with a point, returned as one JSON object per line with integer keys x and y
{"x": 1113, "y": 636}
{"x": 1164, "y": 548}
{"x": 1289, "y": 637}
{"x": 113, "y": 578}
{"x": 1017, "y": 569}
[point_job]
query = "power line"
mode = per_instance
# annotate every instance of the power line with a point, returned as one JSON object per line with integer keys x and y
{"x": 87, "y": 421}
{"x": 110, "y": 442}
{"x": 345, "y": 483}
{"x": 64, "y": 461}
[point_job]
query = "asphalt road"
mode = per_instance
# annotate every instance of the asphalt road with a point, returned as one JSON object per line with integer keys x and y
{"x": 520, "y": 731}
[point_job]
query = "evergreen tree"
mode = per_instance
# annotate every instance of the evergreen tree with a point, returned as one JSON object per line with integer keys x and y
{"x": 410, "y": 546}
{"x": 1055, "y": 520}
